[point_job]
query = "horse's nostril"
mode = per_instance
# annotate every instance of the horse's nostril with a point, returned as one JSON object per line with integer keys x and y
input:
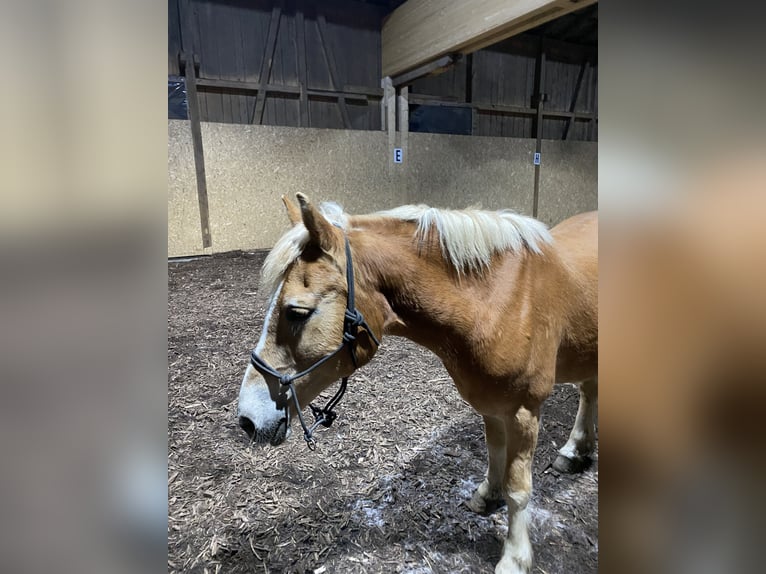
{"x": 247, "y": 425}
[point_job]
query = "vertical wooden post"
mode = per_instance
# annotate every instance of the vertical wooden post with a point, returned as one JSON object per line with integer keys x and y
{"x": 592, "y": 123}
{"x": 404, "y": 119}
{"x": 188, "y": 65}
{"x": 389, "y": 95}
{"x": 190, "y": 73}
{"x": 539, "y": 122}
{"x": 383, "y": 114}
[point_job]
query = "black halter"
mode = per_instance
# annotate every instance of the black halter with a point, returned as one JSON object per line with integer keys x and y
{"x": 352, "y": 320}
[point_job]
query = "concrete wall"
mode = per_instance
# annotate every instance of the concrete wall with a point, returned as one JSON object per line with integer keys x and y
{"x": 249, "y": 167}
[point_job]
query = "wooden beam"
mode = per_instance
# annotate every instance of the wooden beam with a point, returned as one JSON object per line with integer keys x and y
{"x": 575, "y": 97}
{"x": 422, "y": 99}
{"x": 349, "y": 92}
{"x": 330, "y": 59}
{"x": 365, "y": 93}
{"x": 242, "y": 86}
{"x": 266, "y": 63}
{"x": 431, "y": 68}
{"x": 420, "y": 31}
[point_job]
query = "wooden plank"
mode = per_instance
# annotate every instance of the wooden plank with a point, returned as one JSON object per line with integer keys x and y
{"x": 390, "y": 99}
{"x": 436, "y": 67}
{"x": 237, "y": 18}
{"x": 363, "y": 90}
{"x": 383, "y": 113}
{"x": 420, "y": 31}
{"x": 252, "y": 30}
{"x": 300, "y": 49}
{"x": 190, "y": 43}
{"x": 237, "y": 86}
{"x": 208, "y": 55}
{"x": 214, "y": 84}
{"x": 594, "y": 105}
{"x": 330, "y": 59}
{"x": 470, "y": 87}
{"x": 224, "y": 57}
{"x": 575, "y": 97}
{"x": 266, "y": 64}
{"x": 404, "y": 119}
{"x": 199, "y": 156}
{"x": 174, "y": 38}
{"x": 499, "y": 109}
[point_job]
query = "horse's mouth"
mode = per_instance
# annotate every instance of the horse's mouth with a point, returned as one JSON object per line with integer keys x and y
{"x": 281, "y": 433}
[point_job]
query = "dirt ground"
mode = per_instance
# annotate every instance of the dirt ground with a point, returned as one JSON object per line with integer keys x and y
{"x": 383, "y": 491}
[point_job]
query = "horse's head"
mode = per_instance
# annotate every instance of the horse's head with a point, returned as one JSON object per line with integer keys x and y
{"x": 305, "y": 323}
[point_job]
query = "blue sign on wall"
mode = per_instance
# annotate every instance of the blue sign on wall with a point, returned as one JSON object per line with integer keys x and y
{"x": 537, "y": 158}
{"x": 397, "y": 155}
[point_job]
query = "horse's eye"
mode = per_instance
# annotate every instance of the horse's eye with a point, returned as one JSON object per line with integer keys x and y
{"x": 297, "y": 314}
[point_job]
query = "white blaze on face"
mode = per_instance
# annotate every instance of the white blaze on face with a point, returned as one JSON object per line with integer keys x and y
{"x": 255, "y": 401}
{"x": 267, "y": 321}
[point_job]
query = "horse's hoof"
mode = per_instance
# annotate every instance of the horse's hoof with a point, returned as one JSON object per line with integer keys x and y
{"x": 571, "y": 465}
{"x": 483, "y": 506}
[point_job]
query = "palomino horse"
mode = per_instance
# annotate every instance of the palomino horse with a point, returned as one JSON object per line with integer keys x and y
{"x": 509, "y": 307}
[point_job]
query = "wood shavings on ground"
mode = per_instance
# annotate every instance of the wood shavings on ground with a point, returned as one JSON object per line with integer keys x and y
{"x": 382, "y": 493}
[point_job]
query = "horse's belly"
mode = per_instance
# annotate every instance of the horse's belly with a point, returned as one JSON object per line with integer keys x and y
{"x": 573, "y": 365}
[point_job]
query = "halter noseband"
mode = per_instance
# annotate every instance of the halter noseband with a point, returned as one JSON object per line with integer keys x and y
{"x": 352, "y": 320}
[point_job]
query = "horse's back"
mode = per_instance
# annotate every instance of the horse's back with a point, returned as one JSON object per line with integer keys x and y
{"x": 576, "y": 241}
{"x": 578, "y": 235}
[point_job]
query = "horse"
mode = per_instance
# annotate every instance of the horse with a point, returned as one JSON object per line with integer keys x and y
{"x": 509, "y": 306}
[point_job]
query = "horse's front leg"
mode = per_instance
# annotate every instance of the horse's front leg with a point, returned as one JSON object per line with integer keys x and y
{"x": 488, "y": 497}
{"x": 521, "y": 439}
{"x": 574, "y": 456}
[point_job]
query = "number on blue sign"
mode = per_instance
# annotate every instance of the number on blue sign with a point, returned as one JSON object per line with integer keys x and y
{"x": 537, "y": 158}
{"x": 397, "y": 155}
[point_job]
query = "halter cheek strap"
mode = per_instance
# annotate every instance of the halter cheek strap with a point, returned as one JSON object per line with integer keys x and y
{"x": 352, "y": 320}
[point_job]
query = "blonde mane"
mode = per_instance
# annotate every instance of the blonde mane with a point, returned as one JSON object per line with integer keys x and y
{"x": 468, "y": 238}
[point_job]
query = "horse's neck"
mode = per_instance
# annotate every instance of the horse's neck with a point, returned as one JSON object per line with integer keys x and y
{"x": 437, "y": 309}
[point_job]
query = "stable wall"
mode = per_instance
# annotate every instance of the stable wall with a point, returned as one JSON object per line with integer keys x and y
{"x": 248, "y": 168}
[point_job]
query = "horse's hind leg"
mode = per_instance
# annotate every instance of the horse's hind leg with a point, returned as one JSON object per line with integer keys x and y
{"x": 488, "y": 497}
{"x": 574, "y": 456}
{"x": 521, "y": 438}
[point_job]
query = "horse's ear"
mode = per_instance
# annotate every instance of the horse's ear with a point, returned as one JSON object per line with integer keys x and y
{"x": 322, "y": 233}
{"x": 293, "y": 211}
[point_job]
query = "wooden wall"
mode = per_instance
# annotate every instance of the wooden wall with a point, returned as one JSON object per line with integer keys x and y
{"x": 325, "y": 70}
